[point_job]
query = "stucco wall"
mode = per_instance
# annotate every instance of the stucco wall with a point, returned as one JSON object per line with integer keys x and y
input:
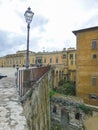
{"x": 87, "y": 66}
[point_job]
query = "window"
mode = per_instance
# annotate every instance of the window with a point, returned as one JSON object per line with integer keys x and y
{"x": 33, "y": 60}
{"x": 94, "y": 44}
{"x": 94, "y": 56}
{"x": 56, "y": 60}
{"x": 94, "y": 81}
{"x": 64, "y": 56}
{"x": 56, "y": 73}
{"x": 71, "y": 56}
{"x": 50, "y": 60}
{"x": 44, "y": 60}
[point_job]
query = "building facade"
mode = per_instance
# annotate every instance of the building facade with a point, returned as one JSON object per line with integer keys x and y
{"x": 87, "y": 64}
{"x": 63, "y": 62}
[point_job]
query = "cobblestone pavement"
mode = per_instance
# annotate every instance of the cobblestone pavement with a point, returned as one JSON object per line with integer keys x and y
{"x": 11, "y": 111}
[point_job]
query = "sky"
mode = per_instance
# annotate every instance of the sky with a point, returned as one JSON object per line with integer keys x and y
{"x": 51, "y": 27}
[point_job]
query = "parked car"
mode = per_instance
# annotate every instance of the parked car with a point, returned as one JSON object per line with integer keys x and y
{"x": 2, "y": 76}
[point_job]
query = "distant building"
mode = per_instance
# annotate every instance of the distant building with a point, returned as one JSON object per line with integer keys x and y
{"x": 63, "y": 62}
{"x": 87, "y": 64}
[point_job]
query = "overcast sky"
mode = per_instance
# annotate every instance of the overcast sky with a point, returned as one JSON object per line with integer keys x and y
{"x": 51, "y": 27}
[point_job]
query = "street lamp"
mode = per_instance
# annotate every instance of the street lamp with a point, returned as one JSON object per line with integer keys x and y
{"x": 28, "y": 16}
{"x": 16, "y": 75}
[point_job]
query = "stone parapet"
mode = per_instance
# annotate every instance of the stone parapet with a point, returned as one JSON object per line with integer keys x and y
{"x": 36, "y": 104}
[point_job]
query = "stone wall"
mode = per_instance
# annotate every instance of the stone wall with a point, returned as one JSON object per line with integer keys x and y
{"x": 64, "y": 113}
{"x": 28, "y": 77}
{"x": 36, "y": 104}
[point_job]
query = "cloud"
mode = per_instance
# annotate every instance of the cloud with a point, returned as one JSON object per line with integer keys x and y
{"x": 39, "y": 20}
{"x": 10, "y": 42}
{"x": 51, "y": 27}
{"x": 5, "y": 46}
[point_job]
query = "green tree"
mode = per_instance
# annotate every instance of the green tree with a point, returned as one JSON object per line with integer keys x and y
{"x": 66, "y": 87}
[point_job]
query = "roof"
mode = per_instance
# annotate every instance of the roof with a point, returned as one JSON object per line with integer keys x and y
{"x": 85, "y": 29}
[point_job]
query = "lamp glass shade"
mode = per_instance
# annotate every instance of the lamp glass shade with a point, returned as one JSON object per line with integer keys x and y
{"x": 28, "y": 15}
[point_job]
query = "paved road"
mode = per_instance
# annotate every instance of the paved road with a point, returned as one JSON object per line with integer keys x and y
{"x": 11, "y": 111}
{"x": 10, "y": 72}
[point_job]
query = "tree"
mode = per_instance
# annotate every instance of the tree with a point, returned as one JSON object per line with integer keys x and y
{"x": 66, "y": 87}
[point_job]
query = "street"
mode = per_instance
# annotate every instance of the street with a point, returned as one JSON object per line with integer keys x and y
{"x": 10, "y": 72}
{"x": 11, "y": 111}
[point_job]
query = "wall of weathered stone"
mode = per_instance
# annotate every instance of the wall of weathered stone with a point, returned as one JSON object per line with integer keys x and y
{"x": 36, "y": 104}
{"x": 64, "y": 113}
{"x": 67, "y": 115}
{"x": 27, "y": 77}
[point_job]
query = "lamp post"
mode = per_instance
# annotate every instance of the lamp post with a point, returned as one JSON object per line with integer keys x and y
{"x": 28, "y": 16}
{"x": 16, "y": 74}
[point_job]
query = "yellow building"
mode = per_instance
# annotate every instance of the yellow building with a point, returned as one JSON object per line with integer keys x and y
{"x": 87, "y": 64}
{"x": 72, "y": 63}
{"x": 11, "y": 60}
{"x": 62, "y": 62}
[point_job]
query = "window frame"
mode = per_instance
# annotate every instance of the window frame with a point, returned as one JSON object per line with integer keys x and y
{"x": 94, "y": 44}
{"x": 64, "y": 56}
{"x": 94, "y": 81}
{"x": 50, "y": 59}
{"x": 44, "y": 60}
{"x": 71, "y": 56}
{"x": 56, "y": 60}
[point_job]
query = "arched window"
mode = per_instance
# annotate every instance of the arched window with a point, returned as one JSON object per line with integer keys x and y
{"x": 56, "y": 73}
